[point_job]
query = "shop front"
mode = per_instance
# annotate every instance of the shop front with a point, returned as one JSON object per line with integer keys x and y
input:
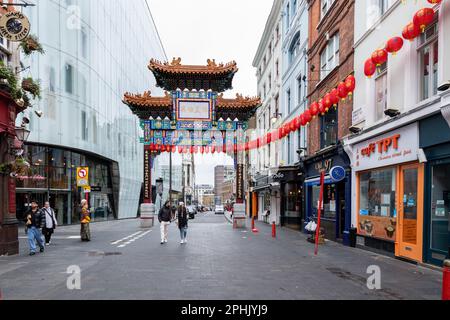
{"x": 435, "y": 141}
{"x": 290, "y": 197}
{"x": 336, "y": 213}
{"x": 390, "y": 192}
{"x": 52, "y": 177}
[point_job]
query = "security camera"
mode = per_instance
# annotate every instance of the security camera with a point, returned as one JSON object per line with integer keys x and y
{"x": 391, "y": 112}
{"x": 355, "y": 129}
{"x": 445, "y": 86}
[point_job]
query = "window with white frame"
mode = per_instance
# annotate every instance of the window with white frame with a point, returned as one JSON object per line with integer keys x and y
{"x": 384, "y": 6}
{"x": 429, "y": 61}
{"x": 325, "y": 6}
{"x": 329, "y": 58}
{"x": 381, "y": 92}
{"x": 294, "y": 49}
{"x": 288, "y": 100}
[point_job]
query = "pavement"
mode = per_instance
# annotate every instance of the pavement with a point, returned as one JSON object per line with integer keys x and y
{"x": 125, "y": 262}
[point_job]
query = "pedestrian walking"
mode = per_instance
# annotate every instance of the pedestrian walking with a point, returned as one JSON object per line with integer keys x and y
{"x": 165, "y": 218}
{"x": 35, "y": 221}
{"x": 50, "y": 223}
{"x": 183, "y": 222}
{"x": 85, "y": 231}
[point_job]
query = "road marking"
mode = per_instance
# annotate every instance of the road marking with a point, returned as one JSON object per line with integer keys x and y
{"x": 126, "y": 238}
{"x": 131, "y": 239}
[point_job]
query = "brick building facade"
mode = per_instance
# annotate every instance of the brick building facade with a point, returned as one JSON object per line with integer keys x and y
{"x": 330, "y": 61}
{"x": 338, "y": 20}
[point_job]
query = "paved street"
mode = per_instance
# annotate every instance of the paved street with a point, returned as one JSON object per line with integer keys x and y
{"x": 125, "y": 262}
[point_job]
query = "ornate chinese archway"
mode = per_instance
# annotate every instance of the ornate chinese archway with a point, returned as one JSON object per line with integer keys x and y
{"x": 193, "y": 117}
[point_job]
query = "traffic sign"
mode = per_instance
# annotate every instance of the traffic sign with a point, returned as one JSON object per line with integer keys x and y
{"x": 82, "y": 177}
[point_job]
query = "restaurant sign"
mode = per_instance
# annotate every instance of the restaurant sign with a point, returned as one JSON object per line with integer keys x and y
{"x": 14, "y": 26}
{"x": 399, "y": 146}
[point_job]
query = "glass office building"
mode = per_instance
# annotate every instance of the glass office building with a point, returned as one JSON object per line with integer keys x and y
{"x": 95, "y": 52}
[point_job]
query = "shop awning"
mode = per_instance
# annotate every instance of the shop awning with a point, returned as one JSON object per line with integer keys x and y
{"x": 316, "y": 181}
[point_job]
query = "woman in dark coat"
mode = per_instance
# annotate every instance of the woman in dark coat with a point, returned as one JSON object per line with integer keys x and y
{"x": 183, "y": 222}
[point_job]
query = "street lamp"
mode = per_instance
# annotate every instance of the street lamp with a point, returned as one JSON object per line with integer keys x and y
{"x": 276, "y": 116}
{"x": 22, "y": 134}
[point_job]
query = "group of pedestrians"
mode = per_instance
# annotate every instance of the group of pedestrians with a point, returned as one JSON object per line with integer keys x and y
{"x": 40, "y": 224}
{"x": 167, "y": 215}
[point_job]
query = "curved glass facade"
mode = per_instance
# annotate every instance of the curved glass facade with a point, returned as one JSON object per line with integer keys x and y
{"x": 95, "y": 52}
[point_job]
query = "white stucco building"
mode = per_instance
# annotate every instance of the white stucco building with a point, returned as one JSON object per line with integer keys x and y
{"x": 401, "y": 156}
{"x": 268, "y": 62}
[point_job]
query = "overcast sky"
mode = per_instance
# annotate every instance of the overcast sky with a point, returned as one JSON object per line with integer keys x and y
{"x": 225, "y": 30}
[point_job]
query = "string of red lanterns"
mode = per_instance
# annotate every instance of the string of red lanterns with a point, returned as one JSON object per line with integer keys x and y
{"x": 412, "y": 30}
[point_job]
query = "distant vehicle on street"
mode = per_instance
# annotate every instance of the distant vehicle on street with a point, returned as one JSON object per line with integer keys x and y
{"x": 219, "y": 209}
{"x": 191, "y": 212}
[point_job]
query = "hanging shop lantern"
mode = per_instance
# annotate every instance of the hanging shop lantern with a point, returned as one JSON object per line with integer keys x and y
{"x": 274, "y": 136}
{"x": 314, "y": 109}
{"x": 342, "y": 91}
{"x": 350, "y": 84}
{"x": 174, "y": 149}
{"x": 434, "y": 1}
{"x": 334, "y": 96}
{"x": 321, "y": 107}
{"x": 394, "y": 45}
{"x": 369, "y": 68}
{"x": 379, "y": 57}
{"x": 180, "y": 149}
{"x": 327, "y": 103}
{"x": 423, "y": 18}
{"x": 307, "y": 116}
{"x": 411, "y": 31}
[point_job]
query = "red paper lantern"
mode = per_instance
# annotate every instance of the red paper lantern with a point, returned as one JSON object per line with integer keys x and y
{"x": 207, "y": 149}
{"x": 369, "y": 68}
{"x": 303, "y": 121}
{"x": 394, "y": 45}
{"x": 174, "y": 149}
{"x": 342, "y": 91}
{"x": 180, "y": 149}
{"x": 314, "y": 109}
{"x": 321, "y": 107}
{"x": 434, "y": 1}
{"x": 423, "y": 18}
{"x": 327, "y": 102}
{"x": 411, "y": 31}
{"x": 307, "y": 116}
{"x": 292, "y": 126}
{"x": 350, "y": 84}
{"x": 334, "y": 95}
{"x": 274, "y": 136}
{"x": 269, "y": 138}
{"x": 379, "y": 57}
{"x": 298, "y": 123}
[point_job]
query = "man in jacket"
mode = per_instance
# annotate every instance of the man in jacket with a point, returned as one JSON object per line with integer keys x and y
{"x": 35, "y": 221}
{"x": 165, "y": 217}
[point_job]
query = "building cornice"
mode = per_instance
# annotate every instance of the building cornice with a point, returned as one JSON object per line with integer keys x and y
{"x": 270, "y": 24}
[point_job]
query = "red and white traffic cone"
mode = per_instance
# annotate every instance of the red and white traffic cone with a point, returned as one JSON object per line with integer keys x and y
{"x": 446, "y": 281}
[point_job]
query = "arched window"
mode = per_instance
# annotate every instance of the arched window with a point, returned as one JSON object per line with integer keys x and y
{"x": 294, "y": 49}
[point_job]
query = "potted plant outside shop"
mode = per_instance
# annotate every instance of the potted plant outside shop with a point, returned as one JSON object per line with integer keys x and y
{"x": 31, "y": 44}
{"x": 31, "y": 86}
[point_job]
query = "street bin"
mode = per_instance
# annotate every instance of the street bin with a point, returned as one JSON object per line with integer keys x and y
{"x": 353, "y": 233}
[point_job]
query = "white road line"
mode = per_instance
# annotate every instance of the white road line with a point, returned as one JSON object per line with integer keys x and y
{"x": 136, "y": 237}
{"x": 126, "y": 238}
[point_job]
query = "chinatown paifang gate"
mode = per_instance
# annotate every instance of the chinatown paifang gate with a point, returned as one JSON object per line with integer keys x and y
{"x": 193, "y": 117}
